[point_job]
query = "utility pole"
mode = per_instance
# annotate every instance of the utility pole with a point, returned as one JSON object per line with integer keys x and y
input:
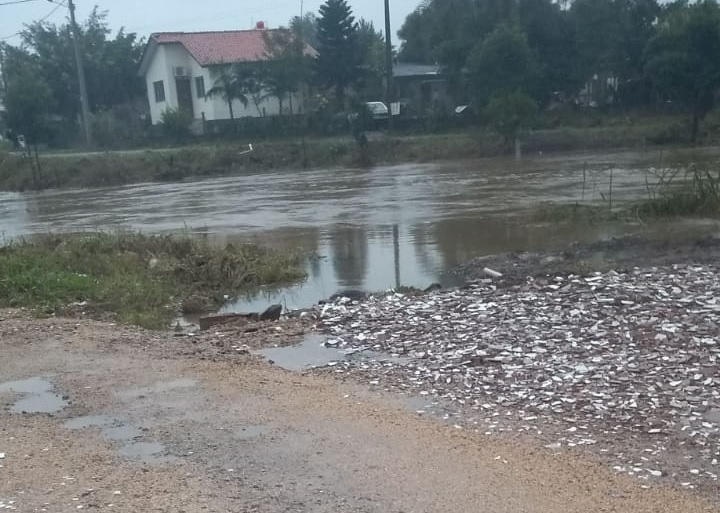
{"x": 388, "y": 65}
{"x": 84, "y": 105}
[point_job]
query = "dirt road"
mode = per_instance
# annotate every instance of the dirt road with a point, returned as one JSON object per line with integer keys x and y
{"x": 162, "y": 423}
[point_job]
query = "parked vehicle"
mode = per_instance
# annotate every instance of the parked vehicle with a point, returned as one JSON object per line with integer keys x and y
{"x": 378, "y": 110}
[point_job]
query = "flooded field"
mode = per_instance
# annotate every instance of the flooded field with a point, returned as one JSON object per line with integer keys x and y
{"x": 371, "y": 229}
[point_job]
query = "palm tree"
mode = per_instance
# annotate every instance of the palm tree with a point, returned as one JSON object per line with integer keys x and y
{"x": 230, "y": 86}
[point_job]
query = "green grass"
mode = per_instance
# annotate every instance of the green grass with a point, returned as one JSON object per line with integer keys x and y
{"x": 134, "y": 278}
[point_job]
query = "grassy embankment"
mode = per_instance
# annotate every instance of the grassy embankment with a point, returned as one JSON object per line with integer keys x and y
{"x": 210, "y": 160}
{"x": 134, "y": 278}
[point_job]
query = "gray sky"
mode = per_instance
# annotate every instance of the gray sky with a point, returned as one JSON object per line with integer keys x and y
{"x": 147, "y": 16}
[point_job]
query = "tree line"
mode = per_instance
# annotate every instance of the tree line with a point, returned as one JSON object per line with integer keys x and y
{"x": 506, "y": 58}
{"x": 510, "y": 57}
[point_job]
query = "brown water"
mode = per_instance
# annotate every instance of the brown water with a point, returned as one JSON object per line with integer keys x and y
{"x": 372, "y": 228}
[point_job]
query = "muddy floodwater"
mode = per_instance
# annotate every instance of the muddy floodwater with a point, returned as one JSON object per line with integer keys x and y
{"x": 371, "y": 229}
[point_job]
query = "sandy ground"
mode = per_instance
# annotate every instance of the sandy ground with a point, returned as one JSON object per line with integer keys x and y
{"x": 235, "y": 434}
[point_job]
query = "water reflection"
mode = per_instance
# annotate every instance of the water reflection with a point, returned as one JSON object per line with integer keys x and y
{"x": 371, "y": 229}
{"x": 349, "y": 254}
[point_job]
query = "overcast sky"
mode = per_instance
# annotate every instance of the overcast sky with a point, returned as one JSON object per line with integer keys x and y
{"x": 147, "y": 16}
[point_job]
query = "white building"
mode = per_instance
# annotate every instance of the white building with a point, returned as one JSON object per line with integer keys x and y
{"x": 178, "y": 71}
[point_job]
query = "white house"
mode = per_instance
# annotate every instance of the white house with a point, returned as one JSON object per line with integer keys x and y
{"x": 178, "y": 71}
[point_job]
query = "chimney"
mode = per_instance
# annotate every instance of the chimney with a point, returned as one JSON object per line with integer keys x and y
{"x": 260, "y": 25}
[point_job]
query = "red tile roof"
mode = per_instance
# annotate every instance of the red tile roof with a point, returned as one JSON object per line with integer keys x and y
{"x": 231, "y": 46}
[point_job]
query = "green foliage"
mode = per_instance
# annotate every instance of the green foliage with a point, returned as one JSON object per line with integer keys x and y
{"x": 176, "y": 124}
{"x": 121, "y": 126}
{"x": 570, "y": 42}
{"x": 511, "y": 113}
{"x": 697, "y": 193}
{"x": 231, "y": 84}
{"x": 288, "y": 65}
{"x": 338, "y": 60}
{"x": 306, "y": 28}
{"x": 371, "y": 45}
{"x": 142, "y": 279}
{"x": 501, "y": 63}
{"x": 683, "y": 59}
{"x": 28, "y": 99}
{"x": 110, "y": 66}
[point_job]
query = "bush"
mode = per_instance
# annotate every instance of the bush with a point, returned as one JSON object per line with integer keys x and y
{"x": 176, "y": 124}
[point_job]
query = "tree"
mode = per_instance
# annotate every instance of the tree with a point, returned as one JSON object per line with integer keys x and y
{"x": 306, "y": 28}
{"x": 371, "y": 48}
{"x": 28, "y": 97}
{"x": 110, "y": 67}
{"x": 448, "y": 31}
{"x": 286, "y": 68}
{"x": 229, "y": 85}
{"x": 683, "y": 59}
{"x": 338, "y": 59}
{"x": 611, "y": 36}
{"x": 501, "y": 63}
{"x": 511, "y": 113}
{"x": 110, "y": 63}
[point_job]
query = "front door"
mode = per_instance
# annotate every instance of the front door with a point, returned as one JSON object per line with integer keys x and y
{"x": 184, "y": 94}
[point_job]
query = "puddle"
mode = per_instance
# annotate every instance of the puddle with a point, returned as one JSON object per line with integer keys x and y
{"x": 37, "y": 396}
{"x": 110, "y": 427}
{"x": 124, "y": 433}
{"x": 89, "y": 421}
{"x": 144, "y": 451}
{"x": 311, "y": 352}
{"x": 157, "y": 388}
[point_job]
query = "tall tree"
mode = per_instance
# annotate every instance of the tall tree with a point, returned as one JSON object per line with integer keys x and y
{"x": 110, "y": 63}
{"x": 683, "y": 59}
{"x": 371, "y": 47}
{"x": 306, "y": 28}
{"x": 504, "y": 73}
{"x": 338, "y": 59}
{"x": 27, "y": 97}
{"x": 287, "y": 66}
{"x": 447, "y": 32}
{"x": 502, "y": 63}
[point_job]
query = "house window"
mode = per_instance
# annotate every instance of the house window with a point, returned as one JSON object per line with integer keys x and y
{"x": 200, "y": 86}
{"x": 159, "y": 91}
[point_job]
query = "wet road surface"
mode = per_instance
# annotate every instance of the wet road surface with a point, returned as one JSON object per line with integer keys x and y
{"x": 240, "y": 435}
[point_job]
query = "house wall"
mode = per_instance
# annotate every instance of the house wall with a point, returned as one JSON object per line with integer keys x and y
{"x": 157, "y": 70}
{"x": 169, "y": 56}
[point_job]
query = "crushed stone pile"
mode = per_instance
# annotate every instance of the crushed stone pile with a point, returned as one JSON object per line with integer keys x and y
{"x": 627, "y": 364}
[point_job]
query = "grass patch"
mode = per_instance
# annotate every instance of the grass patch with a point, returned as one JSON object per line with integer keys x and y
{"x": 695, "y": 193}
{"x": 135, "y": 278}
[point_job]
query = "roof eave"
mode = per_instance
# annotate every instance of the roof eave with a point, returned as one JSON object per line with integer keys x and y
{"x": 148, "y": 54}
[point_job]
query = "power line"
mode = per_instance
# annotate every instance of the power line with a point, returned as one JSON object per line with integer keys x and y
{"x": 17, "y": 2}
{"x": 44, "y": 18}
{"x": 57, "y": 6}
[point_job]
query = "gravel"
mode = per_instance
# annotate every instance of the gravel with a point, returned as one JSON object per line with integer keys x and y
{"x": 623, "y": 364}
